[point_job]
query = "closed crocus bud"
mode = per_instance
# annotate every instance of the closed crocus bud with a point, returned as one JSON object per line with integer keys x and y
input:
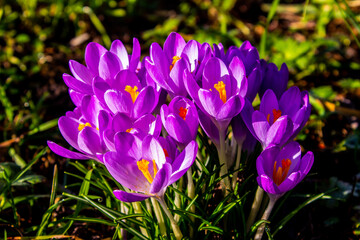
{"x": 274, "y": 79}
{"x": 280, "y": 170}
{"x": 180, "y": 119}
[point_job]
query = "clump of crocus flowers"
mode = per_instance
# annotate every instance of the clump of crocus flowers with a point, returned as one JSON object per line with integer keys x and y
{"x": 140, "y": 118}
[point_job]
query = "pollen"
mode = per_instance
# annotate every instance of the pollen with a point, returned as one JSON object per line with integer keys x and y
{"x": 143, "y": 166}
{"x": 83, "y": 125}
{"x": 280, "y": 173}
{"x": 276, "y": 114}
{"x": 182, "y": 112}
{"x": 132, "y": 91}
{"x": 128, "y": 130}
{"x": 175, "y": 59}
{"x": 220, "y": 87}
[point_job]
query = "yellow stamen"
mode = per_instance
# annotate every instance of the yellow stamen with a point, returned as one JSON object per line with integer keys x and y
{"x": 155, "y": 168}
{"x": 83, "y": 125}
{"x": 182, "y": 112}
{"x": 220, "y": 87}
{"x": 133, "y": 92}
{"x": 280, "y": 174}
{"x": 128, "y": 130}
{"x": 175, "y": 59}
{"x": 143, "y": 166}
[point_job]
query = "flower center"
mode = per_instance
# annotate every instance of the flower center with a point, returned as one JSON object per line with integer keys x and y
{"x": 128, "y": 130}
{"x": 220, "y": 87}
{"x": 133, "y": 92}
{"x": 280, "y": 173}
{"x": 175, "y": 59}
{"x": 83, "y": 125}
{"x": 166, "y": 152}
{"x": 143, "y": 166}
{"x": 276, "y": 113}
{"x": 182, "y": 112}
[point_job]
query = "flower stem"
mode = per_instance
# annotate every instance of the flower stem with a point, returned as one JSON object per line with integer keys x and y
{"x": 191, "y": 195}
{"x": 255, "y": 208}
{"x": 159, "y": 217}
{"x": 175, "y": 227}
{"x": 260, "y": 230}
{"x": 225, "y": 183}
{"x": 137, "y": 209}
{"x": 237, "y": 164}
{"x": 177, "y": 201}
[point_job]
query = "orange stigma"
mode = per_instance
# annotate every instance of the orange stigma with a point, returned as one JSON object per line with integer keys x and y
{"x": 83, "y": 125}
{"x": 175, "y": 59}
{"x": 276, "y": 114}
{"x": 128, "y": 130}
{"x": 220, "y": 87}
{"x": 182, "y": 112}
{"x": 166, "y": 152}
{"x": 132, "y": 91}
{"x": 280, "y": 173}
{"x": 143, "y": 166}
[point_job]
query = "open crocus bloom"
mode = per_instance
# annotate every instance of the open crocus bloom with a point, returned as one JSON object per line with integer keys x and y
{"x": 280, "y": 170}
{"x": 277, "y": 122}
{"x": 83, "y": 129}
{"x": 141, "y": 165}
{"x": 100, "y": 63}
{"x": 218, "y": 95}
{"x": 180, "y": 120}
{"x": 166, "y": 66}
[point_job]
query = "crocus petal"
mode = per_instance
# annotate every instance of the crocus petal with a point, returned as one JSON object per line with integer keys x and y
{"x": 290, "y": 182}
{"x": 145, "y": 102}
{"x": 279, "y": 132}
{"x": 231, "y": 108}
{"x": 121, "y": 122}
{"x": 65, "y": 152}
{"x": 128, "y": 144}
{"x": 161, "y": 179}
{"x": 291, "y": 151}
{"x": 69, "y": 130}
{"x": 215, "y": 71}
{"x": 109, "y": 66}
{"x": 177, "y": 129}
{"x": 135, "y": 55}
{"x": 90, "y": 109}
{"x": 191, "y": 86}
{"x": 254, "y": 83}
{"x": 292, "y": 96}
{"x": 191, "y": 53}
{"x": 89, "y": 141}
{"x": 183, "y": 162}
{"x": 152, "y": 150}
{"x": 118, "y": 102}
{"x": 93, "y": 52}
{"x": 260, "y": 126}
{"x": 210, "y": 102}
{"x": 76, "y": 97}
{"x": 268, "y": 103}
{"x": 80, "y": 72}
{"x": 100, "y": 86}
{"x": 268, "y": 185}
{"x": 77, "y": 85}
{"x": 306, "y": 164}
{"x": 265, "y": 163}
{"x": 124, "y": 169}
{"x": 130, "y": 197}
{"x": 118, "y": 48}
{"x": 174, "y": 45}
{"x": 237, "y": 70}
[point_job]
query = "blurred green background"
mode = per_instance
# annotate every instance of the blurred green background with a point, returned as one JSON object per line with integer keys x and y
{"x": 319, "y": 40}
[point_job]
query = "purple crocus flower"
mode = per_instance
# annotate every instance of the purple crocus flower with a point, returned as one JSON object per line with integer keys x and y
{"x": 249, "y": 58}
{"x": 273, "y": 78}
{"x": 277, "y": 122}
{"x": 141, "y": 165}
{"x": 126, "y": 95}
{"x": 180, "y": 120}
{"x": 219, "y": 95}
{"x": 141, "y": 127}
{"x": 83, "y": 129}
{"x": 100, "y": 63}
{"x": 280, "y": 170}
{"x": 166, "y": 66}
